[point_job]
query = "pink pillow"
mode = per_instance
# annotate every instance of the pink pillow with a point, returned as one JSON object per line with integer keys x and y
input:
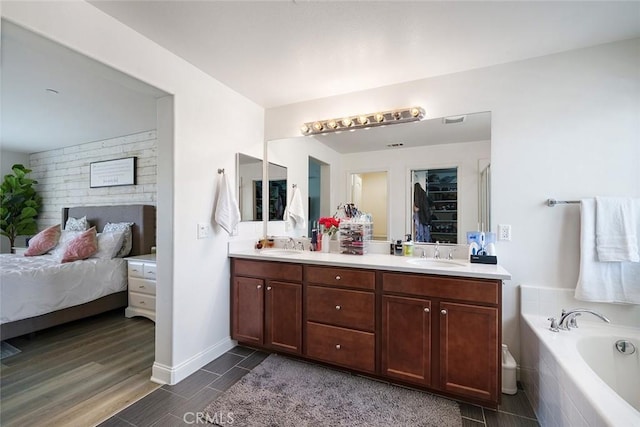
{"x": 44, "y": 241}
{"x": 82, "y": 247}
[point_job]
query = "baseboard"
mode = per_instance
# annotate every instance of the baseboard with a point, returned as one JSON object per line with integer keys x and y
{"x": 163, "y": 374}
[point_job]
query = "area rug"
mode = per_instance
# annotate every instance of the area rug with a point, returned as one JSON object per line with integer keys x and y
{"x": 284, "y": 392}
{"x": 7, "y": 350}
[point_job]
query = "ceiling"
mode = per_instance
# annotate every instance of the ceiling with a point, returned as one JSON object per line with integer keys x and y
{"x": 303, "y": 49}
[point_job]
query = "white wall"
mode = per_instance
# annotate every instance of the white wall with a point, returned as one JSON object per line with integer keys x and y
{"x": 211, "y": 123}
{"x": 63, "y": 175}
{"x": 563, "y": 126}
{"x": 8, "y": 159}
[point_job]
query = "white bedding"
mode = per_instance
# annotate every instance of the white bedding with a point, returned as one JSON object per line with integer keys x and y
{"x": 31, "y": 286}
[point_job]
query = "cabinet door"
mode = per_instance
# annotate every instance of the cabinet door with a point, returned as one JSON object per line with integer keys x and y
{"x": 406, "y": 339}
{"x": 469, "y": 350}
{"x": 284, "y": 316}
{"x": 248, "y": 310}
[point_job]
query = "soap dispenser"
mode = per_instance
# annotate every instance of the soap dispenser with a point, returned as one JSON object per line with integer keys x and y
{"x": 407, "y": 246}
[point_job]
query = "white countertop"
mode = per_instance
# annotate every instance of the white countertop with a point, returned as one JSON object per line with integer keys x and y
{"x": 374, "y": 261}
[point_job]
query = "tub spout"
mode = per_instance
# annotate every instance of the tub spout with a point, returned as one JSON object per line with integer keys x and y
{"x": 568, "y": 318}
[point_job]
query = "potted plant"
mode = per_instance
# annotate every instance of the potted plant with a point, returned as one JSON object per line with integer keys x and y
{"x": 19, "y": 205}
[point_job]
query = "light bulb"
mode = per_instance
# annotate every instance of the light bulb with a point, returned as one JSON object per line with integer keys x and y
{"x": 304, "y": 128}
{"x": 363, "y": 120}
{"x": 317, "y": 126}
{"x": 332, "y": 124}
{"x": 415, "y": 112}
{"x": 397, "y": 115}
{"x": 347, "y": 122}
{"x": 379, "y": 117}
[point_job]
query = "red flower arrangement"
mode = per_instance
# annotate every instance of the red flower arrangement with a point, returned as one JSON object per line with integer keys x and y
{"x": 330, "y": 224}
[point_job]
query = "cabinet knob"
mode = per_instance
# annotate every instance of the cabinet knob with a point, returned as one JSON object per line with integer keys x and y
{"x": 337, "y": 346}
{"x": 259, "y": 287}
{"x": 141, "y": 286}
{"x": 338, "y": 277}
{"x": 426, "y": 310}
{"x": 268, "y": 288}
{"x": 141, "y": 302}
{"x": 443, "y": 312}
{"x": 338, "y": 307}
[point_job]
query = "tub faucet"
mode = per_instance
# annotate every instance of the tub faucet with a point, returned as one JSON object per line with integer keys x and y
{"x": 568, "y": 318}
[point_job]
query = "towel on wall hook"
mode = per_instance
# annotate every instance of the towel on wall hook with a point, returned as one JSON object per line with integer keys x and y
{"x": 227, "y": 213}
{"x": 294, "y": 215}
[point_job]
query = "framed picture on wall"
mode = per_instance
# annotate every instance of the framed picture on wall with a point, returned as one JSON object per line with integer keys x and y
{"x": 110, "y": 173}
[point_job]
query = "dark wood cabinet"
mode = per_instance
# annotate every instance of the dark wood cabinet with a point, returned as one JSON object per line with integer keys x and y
{"x": 406, "y": 339}
{"x": 469, "y": 356}
{"x": 267, "y": 313}
{"x": 440, "y": 333}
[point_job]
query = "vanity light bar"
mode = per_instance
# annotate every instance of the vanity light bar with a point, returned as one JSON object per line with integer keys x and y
{"x": 361, "y": 121}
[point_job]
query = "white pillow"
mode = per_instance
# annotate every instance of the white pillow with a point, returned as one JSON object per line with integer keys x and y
{"x": 65, "y": 238}
{"x": 76, "y": 224}
{"x": 109, "y": 244}
{"x": 125, "y": 227}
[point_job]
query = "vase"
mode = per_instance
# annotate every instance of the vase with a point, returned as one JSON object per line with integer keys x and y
{"x": 326, "y": 240}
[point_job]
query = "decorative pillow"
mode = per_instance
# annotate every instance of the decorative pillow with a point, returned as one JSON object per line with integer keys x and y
{"x": 65, "y": 238}
{"x": 111, "y": 227}
{"x": 44, "y": 241}
{"x": 76, "y": 224}
{"x": 109, "y": 244}
{"x": 82, "y": 247}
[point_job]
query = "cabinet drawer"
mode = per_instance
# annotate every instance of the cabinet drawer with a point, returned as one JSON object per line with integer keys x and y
{"x": 475, "y": 290}
{"x": 345, "y": 347}
{"x": 340, "y": 307}
{"x": 142, "y": 301}
{"x": 142, "y": 286}
{"x": 149, "y": 271}
{"x": 346, "y": 277}
{"x": 135, "y": 269}
{"x": 268, "y": 270}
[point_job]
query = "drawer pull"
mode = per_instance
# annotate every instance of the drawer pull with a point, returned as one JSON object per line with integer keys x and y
{"x": 259, "y": 287}
{"x": 141, "y": 286}
{"x": 338, "y": 307}
{"x": 426, "y": 310}
{"x": 443, "y": 312}
{"x": 268, "y": 288}
{"x": 142, "y": 302}
{"x": 338, "y": 277}
{"x": 337, "y": 346}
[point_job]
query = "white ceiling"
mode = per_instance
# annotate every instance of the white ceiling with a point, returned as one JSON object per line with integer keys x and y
{"x": 282, "y": 52}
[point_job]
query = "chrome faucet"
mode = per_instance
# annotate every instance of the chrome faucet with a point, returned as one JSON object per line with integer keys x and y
{"x": 290, "y": 244}
{"x": 450, "y": 256}
{"x": 568, "y": 318}
{"x": 299, "y": 246}
{"x": 436, "y": 251}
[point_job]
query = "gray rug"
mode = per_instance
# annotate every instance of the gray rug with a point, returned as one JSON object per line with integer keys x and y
{"x": 7, "y": 350}
{"x": 284, "y": 392}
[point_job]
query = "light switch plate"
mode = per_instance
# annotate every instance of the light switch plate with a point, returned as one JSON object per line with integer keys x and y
{"x": 204, "y": 230}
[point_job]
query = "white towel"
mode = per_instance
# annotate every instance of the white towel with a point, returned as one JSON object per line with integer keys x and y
{"x": 227, "y": 213}
{"x": 294, "y": 212}
{"x": 616, "y": 230}
{"x": 617, "y": 282}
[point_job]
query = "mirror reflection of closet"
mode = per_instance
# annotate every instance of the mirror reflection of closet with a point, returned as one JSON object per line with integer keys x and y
{"x": 435, "y": 205}
{"x": 250, "y": 189}
{"x": 369, "y": 193}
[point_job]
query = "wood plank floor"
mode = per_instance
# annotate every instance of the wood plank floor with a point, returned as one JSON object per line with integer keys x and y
{"x": 77, "y": 374}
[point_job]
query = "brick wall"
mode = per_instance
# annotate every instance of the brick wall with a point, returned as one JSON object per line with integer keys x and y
{"x": 63, "y": 175}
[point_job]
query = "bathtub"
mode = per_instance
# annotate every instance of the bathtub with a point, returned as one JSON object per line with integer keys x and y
{"x": 577, "y": 377}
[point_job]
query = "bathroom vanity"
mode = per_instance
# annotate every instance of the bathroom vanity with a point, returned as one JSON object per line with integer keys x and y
{"x": 430, "y": 325}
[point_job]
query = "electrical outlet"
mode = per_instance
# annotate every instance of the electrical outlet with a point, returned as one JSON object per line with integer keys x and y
{"x": 204, "y": 230}
{"x": 504, "y": 232}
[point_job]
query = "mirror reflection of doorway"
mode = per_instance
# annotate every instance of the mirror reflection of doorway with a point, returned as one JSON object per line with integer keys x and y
{"x": 435, "y": 205}
{"x": 369, "y": 194}
{"x": 319, "y": 192}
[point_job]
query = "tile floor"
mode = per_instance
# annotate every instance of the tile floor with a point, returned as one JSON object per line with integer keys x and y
{"x": 173, "y": 406}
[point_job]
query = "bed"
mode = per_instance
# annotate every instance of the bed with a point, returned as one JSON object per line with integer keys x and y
{"x": 75, "y": 290}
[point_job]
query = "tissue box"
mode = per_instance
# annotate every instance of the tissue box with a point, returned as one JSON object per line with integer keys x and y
{"x": 355, "y": 237}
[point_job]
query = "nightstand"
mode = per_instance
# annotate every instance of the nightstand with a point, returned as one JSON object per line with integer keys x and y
{"x": 19, "y": 251}
{"x": 142, "y": 286}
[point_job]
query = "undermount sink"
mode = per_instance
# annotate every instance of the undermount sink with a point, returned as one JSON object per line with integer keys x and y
{"x": 280, "y": 252}
{"x": 439, "y": 263}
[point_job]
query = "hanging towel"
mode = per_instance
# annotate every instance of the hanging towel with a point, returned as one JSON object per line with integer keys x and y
{"x": 616, "y": 282}
{"x": 294, "y": 212}
{"x": 616, "y": 230}
{"x": 227, "y": 213}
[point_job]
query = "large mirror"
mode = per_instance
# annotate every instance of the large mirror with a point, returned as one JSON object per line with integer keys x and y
{"x": 448, "y": 157}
